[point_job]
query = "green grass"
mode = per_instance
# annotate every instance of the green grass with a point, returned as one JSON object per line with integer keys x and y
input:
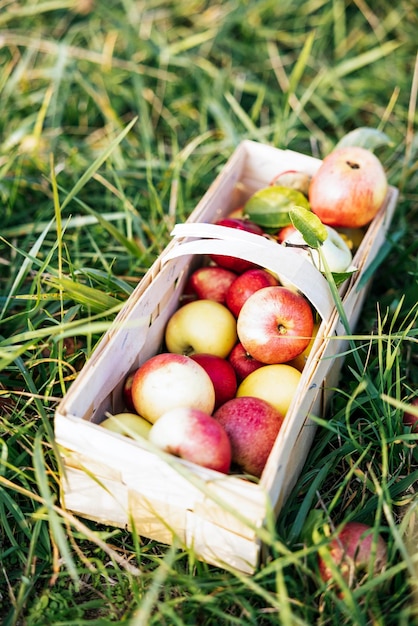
{"x": 114, "y": 119}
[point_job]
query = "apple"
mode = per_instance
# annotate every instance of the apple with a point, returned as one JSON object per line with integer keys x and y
{"x": 275, "y": 324}
{"x": 293, "y": 179}
{"x": 352, "y": 550}
{"x": 252, "y": 425}
{"x": 349, "y": 187}
{"x": 230, "y": 262}
{"x": 245, "y": 285}
{"x": 410, "y": 419}
{"x": 201, "y": 326}
{"x": 127, "y": 392}
{"x": 167, "y": 381}
{"x": 222, "y": 375}
{"x": 242, "y": 362}
{"x": 300, "y": 360}
{"x": 128, "y": 424}
{"x": 210, "y": 283}
{"x": 275, "y": 384}
{"x": 285, "y": 232}
{"x": 195, "y": 436}
{"x": 335, "y": 249}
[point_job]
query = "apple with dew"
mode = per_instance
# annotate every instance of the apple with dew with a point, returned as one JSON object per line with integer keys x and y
{"x": 167, "y": 381}
{"x": 245, "y": 285}
{"x": 210, "y": 283}
{"x": 352, "y": 551}
{"x": 411, "y": 419}
{"x": 201, "y": 326}
{"x": 275, "y": 324}
{"x": 195, "y": 436}
{"x": 127, "y": 424}
{"x": 222, "y": 375}
{"x": 252, "y": 425}
{"x": 349, "y": 187}
{"x": 242, "y": 362}
{"x": 275, "y": 384}
{"x": 335, "y": 249}
{"x": 233, "y": 263}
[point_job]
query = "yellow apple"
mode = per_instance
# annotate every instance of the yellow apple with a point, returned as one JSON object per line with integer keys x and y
{"x": 300, "y": 360}
{"x": 201, "y": 326}
{"x": 128, "y": 424}
{"x": 275, "y": 383}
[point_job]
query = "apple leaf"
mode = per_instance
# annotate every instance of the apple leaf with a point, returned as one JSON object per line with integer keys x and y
{"x": 340, "y": 277}
{"x": 365, "y": 137}
{"x": 309, "y": 225}
{"x": 269, "y": 207}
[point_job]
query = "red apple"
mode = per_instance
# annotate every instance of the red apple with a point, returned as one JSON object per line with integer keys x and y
{"x": 233, "y": 263}
{"x": 193, "y": 435}
{"x": 201, "y": 326}
{"x": 222, "y": 375}
{"x": 349, "y": 187}
{"x": 252, "y": 425}
{"x": 167, "y": 381}
{"x": 245, "y": 285}
{"x": 411, "y": 419}
{"x": 285, "y": 232}
{"x": 352, "y": 551}
{"x": 210, "y": 283}
{"x": 275, "y": 324}
{"x": 127, "y": 391}
{"x": 242, "y": 362}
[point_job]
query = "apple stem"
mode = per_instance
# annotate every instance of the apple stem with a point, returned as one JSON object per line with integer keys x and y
{"x": 354, "y": 166}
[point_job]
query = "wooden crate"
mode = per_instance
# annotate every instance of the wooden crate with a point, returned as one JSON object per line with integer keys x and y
{"x": 122, "y": 482}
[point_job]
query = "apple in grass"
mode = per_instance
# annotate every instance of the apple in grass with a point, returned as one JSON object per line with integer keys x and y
{"x": 349, "y": 187}
{"x": 242, "y": 362}
{"x": 233, "y": 263}
{"x": 352, "y": 551}
{"x": 167, "y": 381}
{"x": 411, "y": 419}
{"x": 210, "y": 283}
{"x": 201, "y": 326}
{"x": 252, "y": 425}
{"x": 275, "y": 324}
{"x": 222, "y": 375}
{"x": 195, "y": 436}
{"x": 245, "y": 285}
{"x": 276, "y": 384}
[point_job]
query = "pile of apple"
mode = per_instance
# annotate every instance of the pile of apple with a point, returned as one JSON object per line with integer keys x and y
{"x": 235, "y": 348}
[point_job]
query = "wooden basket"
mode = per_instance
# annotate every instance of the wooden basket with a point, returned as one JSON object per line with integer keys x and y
{"x": 123, "y": 482}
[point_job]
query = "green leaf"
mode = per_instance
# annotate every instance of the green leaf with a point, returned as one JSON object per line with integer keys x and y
{"x": 364, "y": 137}
{"x": 269, "y": 207}
{"x": 309, "y": 225}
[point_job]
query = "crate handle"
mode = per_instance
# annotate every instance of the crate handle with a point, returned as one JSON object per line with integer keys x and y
{"x": 289, "y": 266}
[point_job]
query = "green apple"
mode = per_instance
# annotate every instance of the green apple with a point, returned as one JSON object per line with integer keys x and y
{"x": 201, "y": 326}
{"x": 128, "y": 424}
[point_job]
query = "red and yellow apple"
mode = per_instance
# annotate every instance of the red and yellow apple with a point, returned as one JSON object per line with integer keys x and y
{"x": 167, "y": 381}
{"x": 293, "y": 179}
{"x": 201, "y": 326}
{"x": 352, "y": 551}
{"x": 222, "y": 375}
{"x": 300, "y": 360}
{"x": 275, "y": 324}
{"x": 275, "y": 384}
{"x": 252, "y": 425}
{"x": 349, "y": 187}
{"x": 195, "y": 436}
{"x": 245, "y": 285}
